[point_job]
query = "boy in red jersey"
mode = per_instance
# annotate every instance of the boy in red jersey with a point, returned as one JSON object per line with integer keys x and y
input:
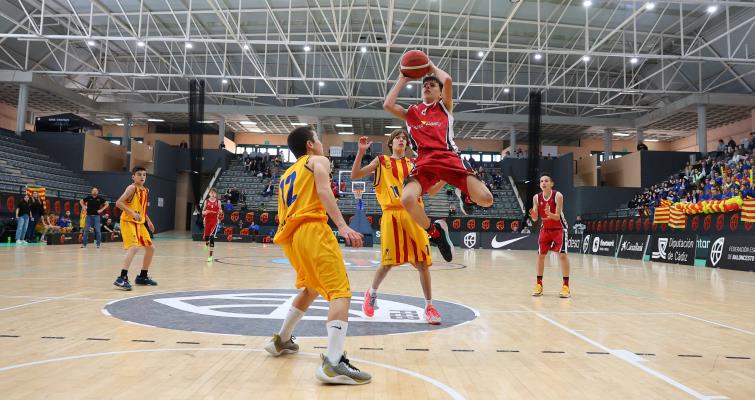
{"x": 431, "y": 136}
{"x": 549, "y": 206}
{"x": 212, "y": 214}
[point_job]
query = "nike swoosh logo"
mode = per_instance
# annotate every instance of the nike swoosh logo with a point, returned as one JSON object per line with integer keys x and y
{"x": 337, "y": 327}
{"x": 497, "y": 245}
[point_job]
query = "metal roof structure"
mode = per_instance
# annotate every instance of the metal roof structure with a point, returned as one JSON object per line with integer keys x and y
{"x": 598, "y": 63}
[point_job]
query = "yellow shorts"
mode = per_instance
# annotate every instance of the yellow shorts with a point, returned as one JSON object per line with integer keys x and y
{"x": 134, "y": 234}
{"x": 402, "y": 240}
{"x": 317, "y": 259}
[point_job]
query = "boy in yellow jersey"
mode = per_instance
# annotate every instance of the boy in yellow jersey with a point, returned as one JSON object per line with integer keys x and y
{"x": 401, "y": 239}
{"x": 304, "y": 203}
{"x": 133, "y": 203}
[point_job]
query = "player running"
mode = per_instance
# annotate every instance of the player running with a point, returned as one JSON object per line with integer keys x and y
{"x": 212, "y": 215}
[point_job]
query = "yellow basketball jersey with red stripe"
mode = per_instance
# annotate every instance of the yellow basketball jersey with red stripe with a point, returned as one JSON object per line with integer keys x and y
{"x": 298, "y": 201}
{"x": 133, "y": 232}
{"x": 401, "y": 239}
{"x": 138, "y": 203}
{"x": 389, "y": 181}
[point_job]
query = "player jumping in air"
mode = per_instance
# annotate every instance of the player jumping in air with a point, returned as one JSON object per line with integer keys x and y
{"x": 431, "y": 136}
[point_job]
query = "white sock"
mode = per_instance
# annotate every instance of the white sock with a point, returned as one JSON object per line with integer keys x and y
{"x": 373, "y": 291}
{"x": 292, "y": 318}
{"x": 428, "y": 302}
{"x": 336, "y": 339}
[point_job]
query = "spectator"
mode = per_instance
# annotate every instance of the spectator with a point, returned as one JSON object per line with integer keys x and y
{"x": 49, "y": 225}
{"x": 731, "y": 143}
{"x": 578, "y": 228}
{"x": 234, "y": 195}
{"x": 254, "y": 229}
{"x": 37, "y": 211}
{"x": 183, "y": 145}
{"x": 641, "y": 146}
{"x": 247, "y": 164}
{"x": 451, "y": 210}
{"x": 23, "y": 214}
{"x": 64, "y": 222}
{"x": 109, "y": 226}
{"x": 94, "y": 206}
{"x": 268, "y": 191}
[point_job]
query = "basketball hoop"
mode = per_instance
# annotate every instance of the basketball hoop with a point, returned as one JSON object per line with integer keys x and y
{"x": 358, "y": 194}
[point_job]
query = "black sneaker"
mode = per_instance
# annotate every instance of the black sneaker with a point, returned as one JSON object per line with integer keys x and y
{"x": 442, "y": 240}
{"x": 144, "y": 280}
{"x": 465, "y": 203}
{"x": 122, "y": 283}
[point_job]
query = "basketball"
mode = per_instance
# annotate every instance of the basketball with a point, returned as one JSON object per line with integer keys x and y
{"x": 415, "y": 64}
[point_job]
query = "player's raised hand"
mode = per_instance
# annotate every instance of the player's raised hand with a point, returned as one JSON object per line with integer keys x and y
{"x": 364, "y": 144}
{"x": 352, "y": 237}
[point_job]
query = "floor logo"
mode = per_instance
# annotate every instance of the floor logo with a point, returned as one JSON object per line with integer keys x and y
{"x": 260, "y": 312}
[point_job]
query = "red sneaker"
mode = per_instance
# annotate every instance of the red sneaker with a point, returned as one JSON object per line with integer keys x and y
{"x": 432, "y": 316}
{"x": 368, "y": 305}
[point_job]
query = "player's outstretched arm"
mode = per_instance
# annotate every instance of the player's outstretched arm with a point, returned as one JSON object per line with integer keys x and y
{"x": 448, "y": 89}
{"x": 390, "y": 101}
{"x": 121, "y": 202}
{"x": 357, "y": 171}
{"x": 321, "y": 167}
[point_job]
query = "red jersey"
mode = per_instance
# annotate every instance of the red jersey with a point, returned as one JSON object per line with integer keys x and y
{"x": 212, "y": 208}
{"x": 550, "y": 205}
{"x": 430, "y": 127}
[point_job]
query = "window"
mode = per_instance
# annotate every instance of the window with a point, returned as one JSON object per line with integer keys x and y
{"x": 476, "y": 157}
{"x": 116, "y": 141}
{"x": 496, "y": 157}
{"x": 487, "y": 158}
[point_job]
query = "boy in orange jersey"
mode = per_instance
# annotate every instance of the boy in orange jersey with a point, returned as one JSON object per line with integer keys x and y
{"x": 305, "y": 201}
{"x": 401, "y": 239}
{"x": 133, "y": 203}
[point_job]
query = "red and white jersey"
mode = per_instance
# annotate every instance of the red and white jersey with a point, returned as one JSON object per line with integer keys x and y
{"x": 550, "y": 205}
{"x": 430, "y": 127}
{"x": 212, "y": 207}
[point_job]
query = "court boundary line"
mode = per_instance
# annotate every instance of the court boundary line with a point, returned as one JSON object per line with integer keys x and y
{"x": 628, "y": 357}
{"x": 37, "y": 302}
{"x": 718, "y": 324}
{"x": 438, "y": 384}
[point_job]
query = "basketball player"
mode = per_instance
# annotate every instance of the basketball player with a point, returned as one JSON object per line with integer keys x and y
{"x": 304, "y": 203}
{"x": 212, "y": 214}
{"x": 430, "y": 126}
{"x": 133, "y": 203}
{"x": 401, "y": 239}
{"x": 549, "y": 206}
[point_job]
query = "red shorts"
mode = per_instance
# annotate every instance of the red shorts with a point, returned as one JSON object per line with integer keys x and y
{"x": 552, "y": 240}
{"x": 210, "y": 223}
{"x": 441, "y": 165}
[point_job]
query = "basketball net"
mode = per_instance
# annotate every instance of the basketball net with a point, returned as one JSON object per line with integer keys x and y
{"x": 358, "y": 195}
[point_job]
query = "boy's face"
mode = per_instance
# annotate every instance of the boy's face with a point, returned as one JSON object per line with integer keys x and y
{"x": 546, "y": 183}
{"x": 399, "y": 142}
{"x": 316, "y": 145}
{"x": 139, "y": 177}
{"x": 431, "y": 91}
{"x": 213, "y": 195}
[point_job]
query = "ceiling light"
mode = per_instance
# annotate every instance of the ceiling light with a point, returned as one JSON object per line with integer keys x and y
{"x": 246, "y": 47}
{"x": 188, "y": 45}
{"x": 538, "y": 56}
{"x": 409, "y": 86}
{"x": 344, "y": 125}
{"x": 634, "y": 60}
{"x": 620, "y": 134}
{"x": 321, "y": 84}
{"x": 345, "y": 133}
{"x": 587, "y": 3}
{"x": 585, "y": 58}
{"x": 299, "y": 124}
{"x": 91, "y": 43}
{"x": 712, "y": 8}
{"x": 224, "y": 81}
{"x": 112, "y": 119}
{"x": 506, "y": 90}
{"x": 207, "y": 122}
{"x": 363, "y": 49}
{"x": 649, "y": 6}
{"x": 307, "y": 48}
{"x": 120, "y": 124}
{"x": 256, "y": 130}
{"x": 651, "y": 140}
{"x": 393, "y": 127}
{"x": 140, "y": 43}
{"x": 480, "y": 54}
{"x": 248, "y": 123}
{"x": 155, "y": 120}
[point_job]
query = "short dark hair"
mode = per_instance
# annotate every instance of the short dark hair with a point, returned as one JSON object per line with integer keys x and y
{"x": 394, "y": 134}
{"x": 548, "y": 174}
{"x": 137, "y": 169}
{"x": 212, "y": 189}
{"x": 432, "y": 78}
{"x": 298, "y": 138}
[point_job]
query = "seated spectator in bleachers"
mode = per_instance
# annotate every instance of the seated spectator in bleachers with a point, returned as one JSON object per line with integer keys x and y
{"x": 451, "y": 210}
{"x": 234, "y": 195}
{"x": 254, "y": 229}
{"x": 578, "y": 227}
{"x": 268, "y": 191}
{"x": 65, "y": 223}
{"x": 228, "y": 206}
{"x": 109, "y": 226}
{"x": 49, "y": 225}
{"x": 247, "y": 164}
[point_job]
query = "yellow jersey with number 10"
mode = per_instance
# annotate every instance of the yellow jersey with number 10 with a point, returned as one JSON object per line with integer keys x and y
{"x": 298, "y": 201}
{"x": 389, "y": 181}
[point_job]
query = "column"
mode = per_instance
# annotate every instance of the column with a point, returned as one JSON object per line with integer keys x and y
{"x": 23, "y": 100}
{"x": 702, "y": 132}
{"x": 512, "y": 141}
{"x": 607, "y": 144}
{"x": 127, "y": 140}
{"x": 221, "y": 132}
{"x": 640, "y": 135}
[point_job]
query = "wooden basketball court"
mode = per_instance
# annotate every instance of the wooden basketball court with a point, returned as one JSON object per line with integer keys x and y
{"x": 632, "y": 330}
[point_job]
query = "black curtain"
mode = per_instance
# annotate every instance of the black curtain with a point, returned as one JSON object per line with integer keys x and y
{"x": 533, "y": 155}
{"x": 196, "y": 128}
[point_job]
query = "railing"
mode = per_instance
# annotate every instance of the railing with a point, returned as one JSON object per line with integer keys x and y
{"x": 58, "y": 194}
{"x": 620, "y": 213}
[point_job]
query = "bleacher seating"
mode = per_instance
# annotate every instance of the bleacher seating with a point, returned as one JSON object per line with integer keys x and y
{"x": 22, "y": 164}
{"x": 506, "y": 204}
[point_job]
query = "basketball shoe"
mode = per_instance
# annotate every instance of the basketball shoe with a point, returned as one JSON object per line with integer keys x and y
{"x": 369, "y": 303}
{"x": 122, "y": 283}
{"x": 538, "y": 291}
{"x": 465, "y": 203}
{"x": 565, "y": 292}
{"x": 342, "y": 373}
{"x": 439, "y": 235}
{"x": 277, "y": 346}
{"x": 145, "y": 281}
{"x": 432, "y": 316}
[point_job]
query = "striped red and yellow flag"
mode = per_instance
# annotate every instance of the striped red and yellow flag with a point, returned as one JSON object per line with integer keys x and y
{"x": 748, "y": 210}
{"x": 677, "y": 218}
{"x": 661, "y": 215}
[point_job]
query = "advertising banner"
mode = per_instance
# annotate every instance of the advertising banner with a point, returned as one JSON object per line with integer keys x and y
{"x": 677, "y": 249}
{"x": 632, "y": 246}
{"x": 732, "y": 252}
